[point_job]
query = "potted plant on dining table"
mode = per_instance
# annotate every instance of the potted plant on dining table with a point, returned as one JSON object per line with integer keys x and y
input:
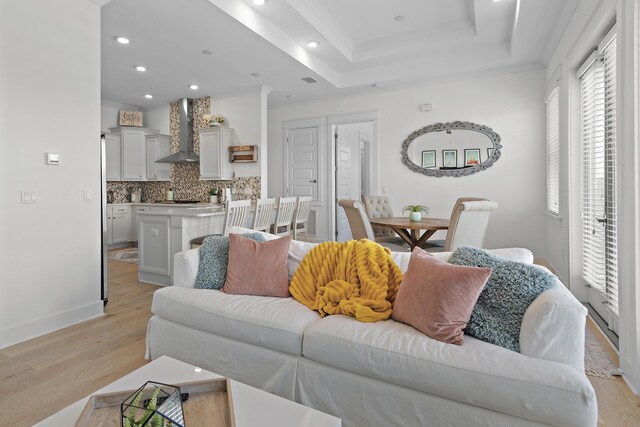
{"x": 415, "y": 211}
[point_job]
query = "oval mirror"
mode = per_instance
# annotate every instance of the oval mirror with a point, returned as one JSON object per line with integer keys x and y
{"x": 451, "y": 149}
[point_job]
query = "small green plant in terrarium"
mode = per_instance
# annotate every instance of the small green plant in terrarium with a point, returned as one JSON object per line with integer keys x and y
{"x": 162, "y": 409}
{"x": 415, "y": 211}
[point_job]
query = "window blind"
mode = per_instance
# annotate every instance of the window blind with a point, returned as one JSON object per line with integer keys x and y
{"x": 553, "y": 164}
{"x": 599, "y": 177}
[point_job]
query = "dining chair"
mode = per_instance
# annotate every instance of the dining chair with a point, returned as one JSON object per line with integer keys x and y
{"x": 263, "y": 214}
{"x": 380, "y": 207}
{"x": 301, "y": 216}
{"x": 360, "y": 226}
{"x": 468, "y": 224}
{"x": 236, "y": 214}
{"x": 284, "y": 215}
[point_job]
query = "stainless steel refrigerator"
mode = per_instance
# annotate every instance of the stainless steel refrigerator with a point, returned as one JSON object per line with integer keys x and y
{"x": 104, "y": 288}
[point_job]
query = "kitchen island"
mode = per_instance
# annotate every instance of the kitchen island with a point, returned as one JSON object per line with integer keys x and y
{"x": 164, "y": 233}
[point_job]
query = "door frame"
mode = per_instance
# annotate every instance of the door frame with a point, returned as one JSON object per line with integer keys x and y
{"x": 320, "y": 206}
{"x": 345, "y": 119}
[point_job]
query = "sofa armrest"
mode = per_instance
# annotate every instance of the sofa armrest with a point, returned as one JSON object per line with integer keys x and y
{"x": 553, "y": 327}
{"x": 185, "y": 268}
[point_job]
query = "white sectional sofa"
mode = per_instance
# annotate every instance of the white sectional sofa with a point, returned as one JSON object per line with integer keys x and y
{"x": 384, "y": 373}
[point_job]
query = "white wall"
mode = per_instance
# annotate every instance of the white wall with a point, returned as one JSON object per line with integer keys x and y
{"x": 513, "y": 105}
{"x": 243, "y": 114}
{"x": 158, "y": 119}
{"x": 50, "y": 86}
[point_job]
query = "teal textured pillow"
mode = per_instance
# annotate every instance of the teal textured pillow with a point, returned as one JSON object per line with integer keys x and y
{"x": 214, "y": 258}
{"x": 510, "y": 290}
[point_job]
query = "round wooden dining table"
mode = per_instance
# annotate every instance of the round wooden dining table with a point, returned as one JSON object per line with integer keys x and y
{"x": 410, "y": 230}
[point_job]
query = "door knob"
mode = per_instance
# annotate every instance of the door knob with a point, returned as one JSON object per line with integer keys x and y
{"x": 314, "y": 181}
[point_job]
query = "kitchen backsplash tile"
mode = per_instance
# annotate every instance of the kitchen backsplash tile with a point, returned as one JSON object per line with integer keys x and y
{"x": 185, "y": 178}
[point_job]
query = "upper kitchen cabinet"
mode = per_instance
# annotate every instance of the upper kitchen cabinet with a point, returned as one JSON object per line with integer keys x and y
{"x": 133, "y": 151}
{"x": 158, "y": 147}
{"x": 113, "y": 154}
{"x": 214, "y": 153}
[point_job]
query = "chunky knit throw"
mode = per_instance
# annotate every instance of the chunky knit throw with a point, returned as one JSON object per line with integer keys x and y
{"x": 357, "y": 278}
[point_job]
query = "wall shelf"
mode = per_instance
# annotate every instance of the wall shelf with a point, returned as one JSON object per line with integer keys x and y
{"x": 243, "y": 153}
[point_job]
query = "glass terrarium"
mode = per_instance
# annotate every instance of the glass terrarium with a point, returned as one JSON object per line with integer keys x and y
{"x": 153, "y": 405}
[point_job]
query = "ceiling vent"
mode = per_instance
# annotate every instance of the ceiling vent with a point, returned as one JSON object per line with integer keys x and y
{"x": 310, "y": 80}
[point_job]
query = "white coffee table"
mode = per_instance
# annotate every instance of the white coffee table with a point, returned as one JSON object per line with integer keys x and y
{"x": 252, "y": 407}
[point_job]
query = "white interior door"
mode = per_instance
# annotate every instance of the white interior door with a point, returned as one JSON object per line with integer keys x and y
{"x": 302, "y": 168}
{"x": 347, "y": 176}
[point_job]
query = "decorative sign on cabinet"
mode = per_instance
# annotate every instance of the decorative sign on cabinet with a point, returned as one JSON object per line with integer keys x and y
{"x": 214, "y": 153}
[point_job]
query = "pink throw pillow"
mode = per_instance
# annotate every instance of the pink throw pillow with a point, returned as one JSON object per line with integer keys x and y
{"x": 258, "y": 268}
{"x": 437, "y": 298}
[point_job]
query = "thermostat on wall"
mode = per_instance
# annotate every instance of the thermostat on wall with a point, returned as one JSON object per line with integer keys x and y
{"x": 53, "y": 158}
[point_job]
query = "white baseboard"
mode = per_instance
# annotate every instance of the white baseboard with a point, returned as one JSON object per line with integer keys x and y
{"x": 44, "y": 325}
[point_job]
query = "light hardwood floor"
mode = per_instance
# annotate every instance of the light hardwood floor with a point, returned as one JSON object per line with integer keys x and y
{"x": 41, "y": 376}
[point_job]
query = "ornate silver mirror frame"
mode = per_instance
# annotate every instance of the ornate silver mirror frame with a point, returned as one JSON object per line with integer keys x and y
{"x": 456, "y": 172}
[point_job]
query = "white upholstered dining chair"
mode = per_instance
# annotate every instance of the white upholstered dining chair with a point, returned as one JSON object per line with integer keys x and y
{"x": 360, "y": 225}
{"x": 468, "y": 224}
{"x": 263, "y": 214}
{"x": 380, "y": 207}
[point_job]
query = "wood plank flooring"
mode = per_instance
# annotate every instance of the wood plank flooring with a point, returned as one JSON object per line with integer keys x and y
{"x": 41, "y": 376}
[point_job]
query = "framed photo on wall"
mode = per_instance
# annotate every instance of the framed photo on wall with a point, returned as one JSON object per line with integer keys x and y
{"x": 429, "y": 159}
{"x": 130, "y": 118}
{"x": 471, "y": 156}
{"x": 450, "y": 158}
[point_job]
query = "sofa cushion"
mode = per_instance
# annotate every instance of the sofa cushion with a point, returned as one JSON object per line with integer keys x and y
{"x": 437, "y": 298}
{"x": 258, "y": 268}
{"x": 214, "y": 258}
{"x": 511, "y": 288}
{"x": 510, "y": 254}
{"x": 477, "y": 373}
{"x": 275, "y": 323}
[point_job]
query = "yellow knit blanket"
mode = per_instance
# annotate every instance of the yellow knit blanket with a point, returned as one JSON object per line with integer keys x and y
{"x": 357, "y": 278}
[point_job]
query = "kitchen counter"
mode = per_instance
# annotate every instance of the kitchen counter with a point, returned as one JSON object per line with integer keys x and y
{"x": 166, "y": 229}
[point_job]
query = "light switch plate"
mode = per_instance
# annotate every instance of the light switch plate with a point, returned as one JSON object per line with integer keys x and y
{"x": 28, "y": 196}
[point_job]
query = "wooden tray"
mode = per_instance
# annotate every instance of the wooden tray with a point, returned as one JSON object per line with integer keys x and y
{"x": 209, "y": 404}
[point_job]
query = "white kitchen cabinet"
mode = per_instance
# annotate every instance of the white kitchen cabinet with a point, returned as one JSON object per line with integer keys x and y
{"x": 135, "y": 220}
{"x": 133, "y": 151}
{"x": 158, "y": 146}
{"x": 214, "y": 153}
{"x": 113, "y": 154}
{"x": 118, "y": 224}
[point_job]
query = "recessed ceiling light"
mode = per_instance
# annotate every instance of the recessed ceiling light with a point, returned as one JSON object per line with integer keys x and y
{"x": 258, "y": 2}
{"x": 399, "y": 18}
{"x": 312, "y": 44}
{"x": 140, "y": 68}
{"x": 376, "y": 85}
{"x": 193, "y": 87}
{"x": 290, "y": 96}
{"x": 255, "y": 74}
{"x": 207, "y": 52}
{"x": 122, "y": 40}
{"x": 148, "y": 96}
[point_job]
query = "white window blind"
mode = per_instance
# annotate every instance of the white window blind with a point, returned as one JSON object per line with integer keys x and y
{"x": 599, "y": 178}
{"x": 553, "y": 164}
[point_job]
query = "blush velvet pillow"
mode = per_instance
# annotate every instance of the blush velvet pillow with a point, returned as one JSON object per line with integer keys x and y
{"x": 437, "y": 298}
{"x": 258, "y": 268}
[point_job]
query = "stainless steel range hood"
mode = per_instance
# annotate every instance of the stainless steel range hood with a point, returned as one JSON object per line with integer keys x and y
{"x": 186, "y": 154}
